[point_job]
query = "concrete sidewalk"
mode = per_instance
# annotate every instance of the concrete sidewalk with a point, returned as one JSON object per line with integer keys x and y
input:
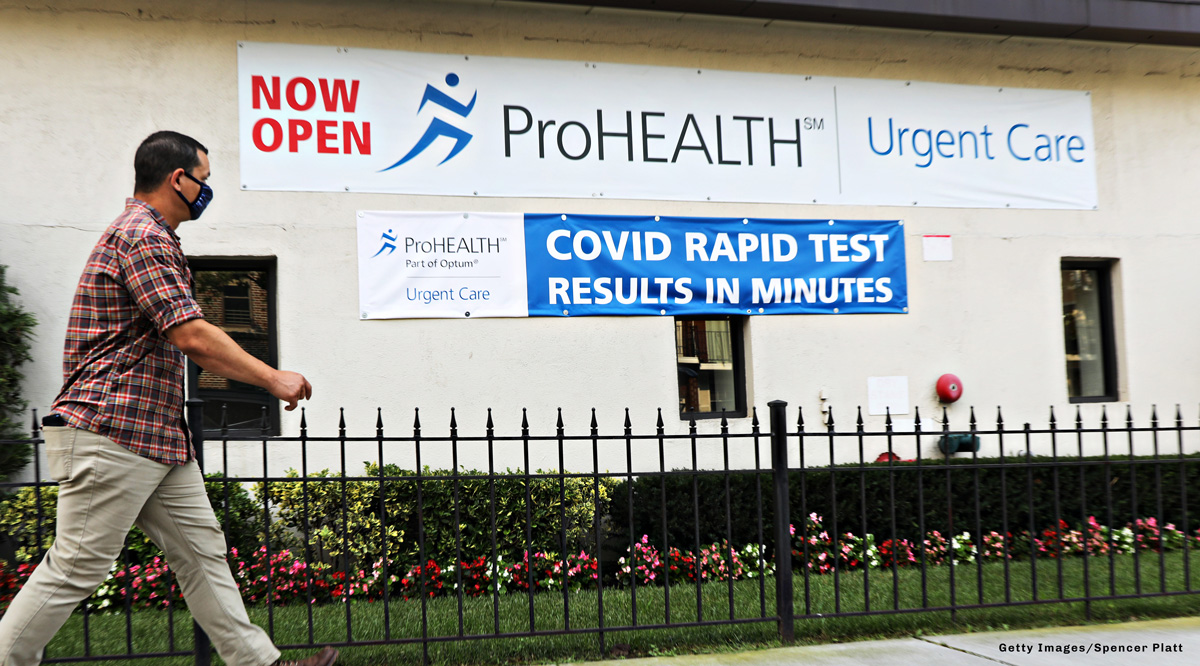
{"x": 1173, "y": 642}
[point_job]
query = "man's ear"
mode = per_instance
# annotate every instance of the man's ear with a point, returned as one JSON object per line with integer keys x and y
{"x": 174, "y": 179}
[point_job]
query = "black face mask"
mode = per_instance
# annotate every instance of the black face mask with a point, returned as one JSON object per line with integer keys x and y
{"x": 196, "y": 208}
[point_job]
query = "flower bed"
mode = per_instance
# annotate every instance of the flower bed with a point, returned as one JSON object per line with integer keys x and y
{"x": 284, "y": 578}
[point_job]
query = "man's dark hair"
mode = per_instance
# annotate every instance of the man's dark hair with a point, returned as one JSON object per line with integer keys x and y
{"x": 160, "y": 154}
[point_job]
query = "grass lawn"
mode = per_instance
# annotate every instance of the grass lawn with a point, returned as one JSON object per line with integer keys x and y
{"x": 151, "y": 631}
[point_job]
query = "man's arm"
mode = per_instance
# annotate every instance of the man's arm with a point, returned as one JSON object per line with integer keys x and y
{"x": 212, "y": 349}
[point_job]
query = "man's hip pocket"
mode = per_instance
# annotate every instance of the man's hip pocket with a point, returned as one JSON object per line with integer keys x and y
{"x": 60, "y": 449}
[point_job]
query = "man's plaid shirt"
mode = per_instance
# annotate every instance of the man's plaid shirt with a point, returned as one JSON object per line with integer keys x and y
{"x": 123, "y": 378}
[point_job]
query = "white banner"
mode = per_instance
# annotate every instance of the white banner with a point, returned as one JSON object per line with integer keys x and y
{"x": 441, "y": 265}
{"x": 316, "y": 118}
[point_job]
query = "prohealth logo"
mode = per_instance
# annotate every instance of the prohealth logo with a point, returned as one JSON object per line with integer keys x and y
{"x": 438, "y": 127}
{"x": 389, "y": 243}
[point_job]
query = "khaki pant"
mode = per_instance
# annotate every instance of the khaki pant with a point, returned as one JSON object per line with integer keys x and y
{"x": 105, "y": 488}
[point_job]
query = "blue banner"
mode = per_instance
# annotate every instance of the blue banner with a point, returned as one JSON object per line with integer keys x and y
{"x": 649, "y": 265}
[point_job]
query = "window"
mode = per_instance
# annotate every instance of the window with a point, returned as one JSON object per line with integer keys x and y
{"x": 712, "y": 377}
{"x": 238, "y": 296}
{"x": 236, "y": 302}
{"x": 1088, "y": 331}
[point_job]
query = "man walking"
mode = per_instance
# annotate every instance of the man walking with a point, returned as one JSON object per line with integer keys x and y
{"x": 115, "y": 439}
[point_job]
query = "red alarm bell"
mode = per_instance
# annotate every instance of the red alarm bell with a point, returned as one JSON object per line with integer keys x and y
{"x": 949, "y": 388}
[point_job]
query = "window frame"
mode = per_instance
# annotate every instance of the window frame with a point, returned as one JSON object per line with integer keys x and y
{"x": 268, "y": 265}
{"x": 737, "y": 333}
{"x": 1108, "y": 347}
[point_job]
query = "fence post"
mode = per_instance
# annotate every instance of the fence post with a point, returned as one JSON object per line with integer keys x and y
{"x": 783, "y": 520}
{"x": 195, "y": 421}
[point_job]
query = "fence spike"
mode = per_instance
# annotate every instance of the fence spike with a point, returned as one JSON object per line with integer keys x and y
{"x": 1129, "y": 415}
{"x": 594, "y": 424}
{"x": 560, "y": 422}
{"x": 1104, "y": 417}
{"x": 1078, "y": 417}
{"x": 1053, "y": 421}
{"x": 860, "y": 418}
{"x": 490, "y": 427}
{"x": 524, "y": 422}
{"x": 379, "y": 420}
{"x": 341, "y": 421}
{"x": 1178, "y": 416}
{"x": 1153, "y": 416}
{"x": 264, "y": 422}
{"x": 999, "y": 419}
{"x": 972, "y": 422}
{"x": 829, "y": 421}
{"x": 628, "y": 423}
{"x": 33, "y": 428}
{"x": 224, "y": 419}
{"x": 917, "y": 419}
{"x": 945, "y": 419}
{"x": 754, "y": 417}
{"x": 660, "y": 421}
{"x": 692, "y": 425}
{"x": 303, "y": 423}
{"x": 887, "y": 421}
{"x": 416, "y": 419}
{"x": 800, "y": 418}
{"x": 724, "y": 423}
{"x": 453, "y": 421}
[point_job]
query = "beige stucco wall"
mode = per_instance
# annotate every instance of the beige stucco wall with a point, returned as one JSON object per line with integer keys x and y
{"x": 81, "y": 83}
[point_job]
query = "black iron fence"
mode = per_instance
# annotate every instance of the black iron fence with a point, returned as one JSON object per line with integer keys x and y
{"x": 650, "y": 530}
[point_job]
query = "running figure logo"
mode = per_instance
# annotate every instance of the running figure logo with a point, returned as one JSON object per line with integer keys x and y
{"x": 438, "y": 127}
{"x": 389, "y": 240}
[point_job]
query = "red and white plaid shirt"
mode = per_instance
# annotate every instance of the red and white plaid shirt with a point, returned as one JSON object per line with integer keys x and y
{"x": 123, "y": 378}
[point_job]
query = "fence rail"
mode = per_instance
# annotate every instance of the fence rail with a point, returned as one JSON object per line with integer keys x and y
{"x": 405, "y": 554}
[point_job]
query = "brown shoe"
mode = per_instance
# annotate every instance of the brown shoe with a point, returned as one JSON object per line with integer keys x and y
{"x": 325, "y": 657}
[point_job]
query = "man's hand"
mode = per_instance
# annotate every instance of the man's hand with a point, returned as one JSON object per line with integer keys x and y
{"x": 290, "y": 387}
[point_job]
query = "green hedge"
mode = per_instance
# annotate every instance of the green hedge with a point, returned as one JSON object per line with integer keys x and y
{"x": 357, "y": 532}
{"x": 354, "y": 536}
{"x": 1030, "y": 498}
{"x": 242, "y": 521}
